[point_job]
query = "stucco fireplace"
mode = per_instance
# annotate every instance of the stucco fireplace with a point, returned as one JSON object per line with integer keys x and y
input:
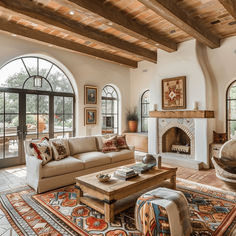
{"x": 180, "y": 140}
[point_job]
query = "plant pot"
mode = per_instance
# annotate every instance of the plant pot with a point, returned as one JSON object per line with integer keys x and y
{"x": 132, "y": 125}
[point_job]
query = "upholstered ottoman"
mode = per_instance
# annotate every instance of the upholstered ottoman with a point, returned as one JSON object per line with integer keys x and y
{"x": 163, "y": 211}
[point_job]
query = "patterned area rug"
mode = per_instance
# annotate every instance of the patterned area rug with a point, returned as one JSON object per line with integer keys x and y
{"x": 56, "y": 213}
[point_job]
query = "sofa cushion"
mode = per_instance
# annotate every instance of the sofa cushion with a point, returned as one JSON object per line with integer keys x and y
{"x": 63, "y": 166}
{"x": 82, "y": 144}
{"x": 110, "y": 144}
{"x": 60, "y": 148}
{"x": 93, "y": 159}
{"x": 100, "y": 142}
{"x": 122, "y": 155}
{"x": 42, "y": 150}
{"x": 121, "y": 142}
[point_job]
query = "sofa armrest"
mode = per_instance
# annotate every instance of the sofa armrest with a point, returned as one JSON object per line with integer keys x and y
{"x": 132, "y": 148}
{"x": 33, "y": 166}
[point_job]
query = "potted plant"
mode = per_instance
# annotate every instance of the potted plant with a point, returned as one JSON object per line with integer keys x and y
{"x": 132, "y": 118}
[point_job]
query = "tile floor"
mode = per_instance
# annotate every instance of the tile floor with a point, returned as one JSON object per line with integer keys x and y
{"x": 14, "y": 177}
{"x": 10, "y": 178}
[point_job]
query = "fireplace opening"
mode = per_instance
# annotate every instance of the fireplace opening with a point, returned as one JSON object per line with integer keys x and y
{"x": 176, "y": 140}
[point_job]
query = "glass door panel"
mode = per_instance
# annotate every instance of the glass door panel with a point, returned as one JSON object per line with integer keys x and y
{"x": 11, "y": 122}
{"x": 31, "y": 116}
{"x": 37, "y": 116}
{"x": 63, "y": 116}
{"x": 10, "y": 135}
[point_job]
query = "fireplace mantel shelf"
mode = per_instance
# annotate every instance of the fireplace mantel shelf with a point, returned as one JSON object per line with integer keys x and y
{"x": 182, "y": 114}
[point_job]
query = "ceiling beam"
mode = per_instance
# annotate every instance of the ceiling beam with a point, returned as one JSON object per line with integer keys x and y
{"x": 39, "y": 12}
{"x": 60, "y": 42}
{"x": 170, "y": 11}
{"x": 230, "y": 6}
{"x": 126, "y": 23}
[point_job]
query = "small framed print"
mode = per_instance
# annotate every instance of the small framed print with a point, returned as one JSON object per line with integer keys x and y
{"x": 90, "y": 116}
{"x": 174, "y": 93}
{"x": 90, "y": 95}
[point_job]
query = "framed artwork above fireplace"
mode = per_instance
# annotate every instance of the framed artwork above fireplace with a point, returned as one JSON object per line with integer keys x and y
{"x": 174, "y": 93}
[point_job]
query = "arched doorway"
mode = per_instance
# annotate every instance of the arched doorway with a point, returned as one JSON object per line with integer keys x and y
{"x": 36, "y": 100}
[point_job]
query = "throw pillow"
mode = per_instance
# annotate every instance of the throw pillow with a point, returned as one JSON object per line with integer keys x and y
{"x": 110, "y": 144}
{"x": 60, "y": 148}
{"x": 121, "y": 142}
{"x": 42, "y": 150}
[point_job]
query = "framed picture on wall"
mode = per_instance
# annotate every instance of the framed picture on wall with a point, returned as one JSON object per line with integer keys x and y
{"x": 90, "y": 95}
{"x": 174, "y": 93}
{"x": 90, "y": 116}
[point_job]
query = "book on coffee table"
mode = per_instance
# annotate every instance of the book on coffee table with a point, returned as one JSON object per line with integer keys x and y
{"x": 125, "y": 171}
{"x": 124, "y": 177}
{"x": 142, "y": 167}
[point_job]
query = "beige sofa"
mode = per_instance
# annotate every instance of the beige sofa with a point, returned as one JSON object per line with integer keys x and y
{"x": 85, "y": 157}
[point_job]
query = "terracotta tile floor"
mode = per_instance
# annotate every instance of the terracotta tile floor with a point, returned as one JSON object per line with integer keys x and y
{"x": 13, "y": 177}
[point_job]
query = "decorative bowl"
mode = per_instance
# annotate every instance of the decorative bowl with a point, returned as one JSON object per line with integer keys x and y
{"x": 103, "y": 177}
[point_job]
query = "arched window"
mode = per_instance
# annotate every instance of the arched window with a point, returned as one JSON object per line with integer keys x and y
{"x": 110, "y": 110}
{"x": 231, "y": 110}
{"x": 145, "y": 100}
{"x": 36, "y": 100}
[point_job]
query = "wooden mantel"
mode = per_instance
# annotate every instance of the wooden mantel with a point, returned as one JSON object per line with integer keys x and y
{"x": 182, "y": 114}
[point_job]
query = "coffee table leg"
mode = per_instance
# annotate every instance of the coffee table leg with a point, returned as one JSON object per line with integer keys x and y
{"x": 109, "y": 211}
{"x": 79, "y": 194}
{"x": 173, "y": 181}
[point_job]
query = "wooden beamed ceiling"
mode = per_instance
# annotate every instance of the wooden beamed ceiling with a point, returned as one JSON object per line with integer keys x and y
{"x": 230, "y": 6}
{"x": 170, "y": 11}
{"x": 45, "y": 15}
{"x": 120, "y": 31}
{"x": 124, "y": 22}
{"x": 53, "y": 40}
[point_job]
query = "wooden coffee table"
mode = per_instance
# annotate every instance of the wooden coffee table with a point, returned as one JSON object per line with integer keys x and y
{"x": 112, "y": 197}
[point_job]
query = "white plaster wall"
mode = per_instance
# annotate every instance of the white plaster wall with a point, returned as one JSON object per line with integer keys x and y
{"x": 183, "y": 62}
{"x": 84, "y": 70}
{"x": 222, "y": 61}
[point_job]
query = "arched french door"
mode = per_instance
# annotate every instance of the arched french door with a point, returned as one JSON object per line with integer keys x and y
{"x": 36, "y": 100}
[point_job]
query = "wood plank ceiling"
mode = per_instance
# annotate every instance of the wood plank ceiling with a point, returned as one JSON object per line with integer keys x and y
{"x": 120, "y": 31}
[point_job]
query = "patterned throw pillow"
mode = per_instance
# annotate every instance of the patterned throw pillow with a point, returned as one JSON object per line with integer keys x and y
{"x": 121, "y": 142}
{"x": 110, "y": 144}
{"x": 60, "y": 148}
{"x": 42, "y": 150}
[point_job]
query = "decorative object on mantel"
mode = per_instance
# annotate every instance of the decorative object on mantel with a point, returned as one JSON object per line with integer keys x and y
{"x": 149, "y": 159}
{"x": 132, "y": 118}
{"x": 182, "y": 114}
{"x": 154, "y": 107}
{"x": 90, "y": 95}
{"x": 195, "y": 106}
{"x": 174, "y": 93}
{"x": 219, "y": 137}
